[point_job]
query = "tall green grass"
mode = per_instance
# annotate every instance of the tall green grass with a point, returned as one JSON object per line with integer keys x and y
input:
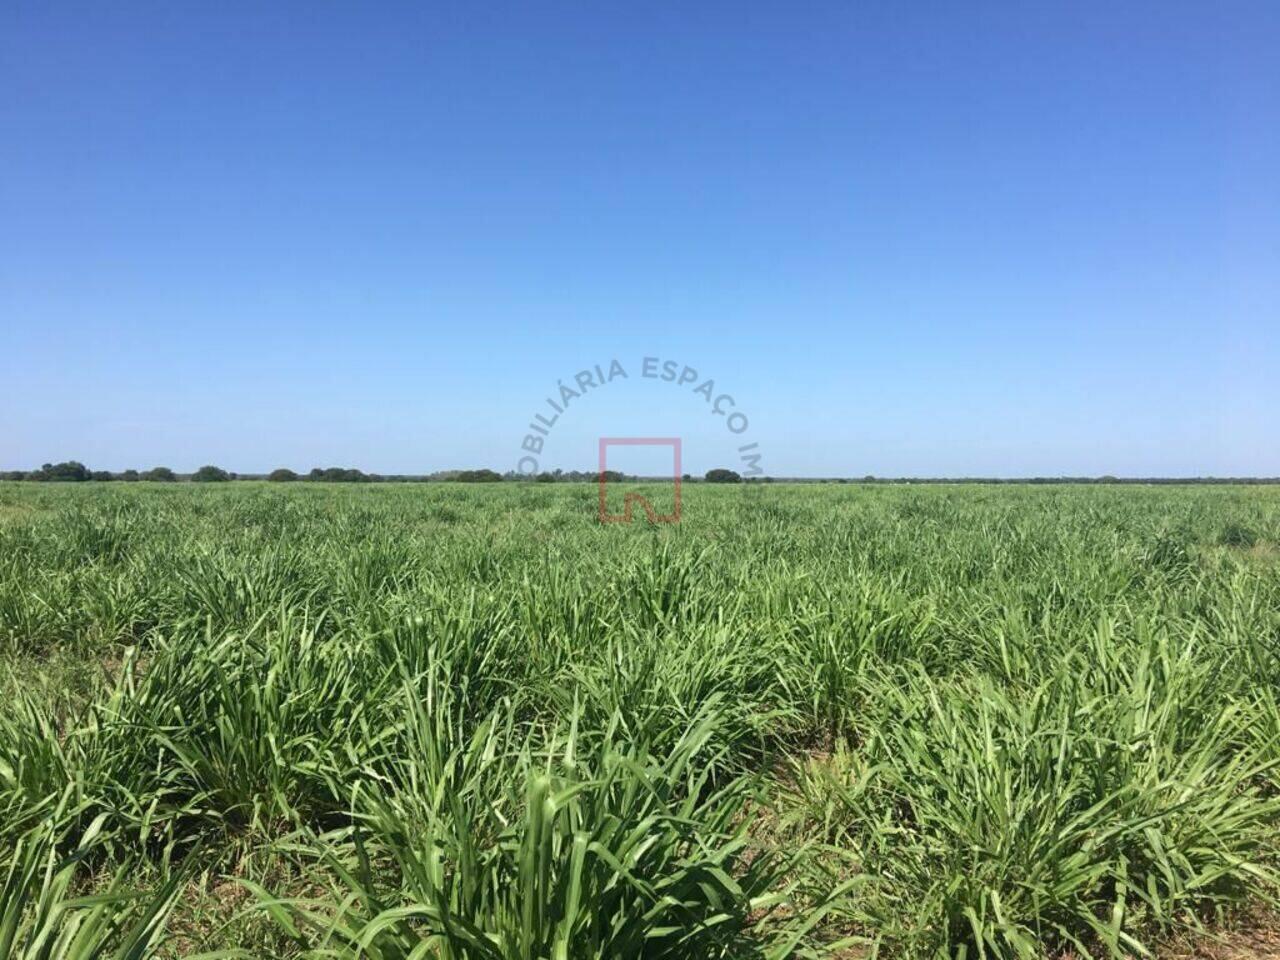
{"x": 473, "y": 723}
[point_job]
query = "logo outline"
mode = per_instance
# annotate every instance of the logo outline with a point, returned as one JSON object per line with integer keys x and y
{"x": 630, "y": 499}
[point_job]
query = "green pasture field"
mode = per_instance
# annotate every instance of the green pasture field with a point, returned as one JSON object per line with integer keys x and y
{"x": 470, "y": 722}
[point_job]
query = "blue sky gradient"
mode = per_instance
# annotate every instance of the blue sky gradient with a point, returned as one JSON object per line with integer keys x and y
{"x": 939, "y": 239}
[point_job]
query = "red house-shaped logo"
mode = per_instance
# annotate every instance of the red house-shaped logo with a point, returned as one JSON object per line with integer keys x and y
{"x": 629, "y": 499}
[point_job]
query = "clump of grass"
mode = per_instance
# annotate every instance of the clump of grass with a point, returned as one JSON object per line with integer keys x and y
{"x": 1077, "y": 813}
{"x": 1237, "y": 535}
{"x": 550, "y": 852}
{"x": 45, "y": 914}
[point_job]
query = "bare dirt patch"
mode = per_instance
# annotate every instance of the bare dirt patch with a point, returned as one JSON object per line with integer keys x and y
{"x": 1255, "y": 935}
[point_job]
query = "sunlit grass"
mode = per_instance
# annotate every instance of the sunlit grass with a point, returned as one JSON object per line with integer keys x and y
{"x": 473, "y": 722}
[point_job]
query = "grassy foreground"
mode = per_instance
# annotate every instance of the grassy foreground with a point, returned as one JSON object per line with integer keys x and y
{"x": 470, "y": 722}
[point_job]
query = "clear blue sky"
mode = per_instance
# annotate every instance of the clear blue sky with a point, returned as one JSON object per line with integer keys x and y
{"x": 930, "y": 239}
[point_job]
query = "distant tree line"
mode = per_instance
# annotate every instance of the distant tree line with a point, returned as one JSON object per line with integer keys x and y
{"x": 1044, "y": 480}
{"x": 73, "y": 471}
{"x": 574, "y": 476}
